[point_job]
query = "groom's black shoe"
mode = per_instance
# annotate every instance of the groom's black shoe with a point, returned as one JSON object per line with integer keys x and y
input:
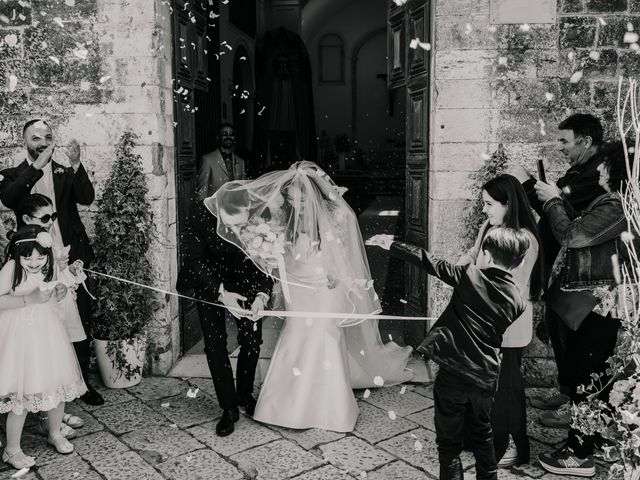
{"x": 225, "y": 425}
{"x": 249, "y": 404}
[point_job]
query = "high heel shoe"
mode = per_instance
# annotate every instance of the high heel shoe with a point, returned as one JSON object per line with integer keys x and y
{"x": 18, "y": 459}
{"x": 61, "y": 444}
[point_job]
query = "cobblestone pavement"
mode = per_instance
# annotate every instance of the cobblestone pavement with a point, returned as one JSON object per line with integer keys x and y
{"x": 154, "y": 431}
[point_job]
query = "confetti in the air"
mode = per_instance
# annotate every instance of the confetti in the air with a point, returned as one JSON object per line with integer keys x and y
{"x": 417, "y": 446}
{"x": 549, "y": 96}
{"x": 11, "y": 39}
{"x": 403, "y": 390}
{"x": 104, "y": 79}
{"x": 192, "y": 393}
{"x": 468, "y": 29}
{"x": 362, "y": 352}
{"x": 392, "y": 415}
{"x": 525, "y": 27}
{"x": 630, "y": 26}
{"x": 378, "y": 381}
{"x": 576, "y": 77}
{"x": 58, "y": 21}
{"x": 543, "y": 130}
{"x": 571, "y": 56}
{"x": 81, "y": 52}
{"x": 399, "y": 2}
{"x": 261, "y": 110}
{"x": 13, "y": 82}
{"x": 502, "y": 60}
{"x": 54, "y": 60}
{"x": 70, "y": 3}
{"x": 165, "y": 405}
{"x": 402, "y": 300}
{"x": 366, "y": 393}
{"x": 363, "y": 474}
{"x": 492, "y": 29}
{"x": 602, "y": 22}
{"x": 631, "y": 37}
{"x": 594, "y": 55}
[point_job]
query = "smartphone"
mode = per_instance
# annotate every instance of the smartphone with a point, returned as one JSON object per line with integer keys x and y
{"x": 541, "y": 175}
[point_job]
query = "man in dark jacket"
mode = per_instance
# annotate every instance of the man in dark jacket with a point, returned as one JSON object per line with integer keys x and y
{"x": 210, "y": 263}
{"x": 465, "y": 342}
{"x": 66, "y": 187}
{"x": 580, "y": 140}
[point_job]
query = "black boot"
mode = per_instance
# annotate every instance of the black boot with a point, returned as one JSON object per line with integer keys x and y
{"x": 249, "y": 404}
{"x": 225, "y": 424}
{"x": 92, "y": 397}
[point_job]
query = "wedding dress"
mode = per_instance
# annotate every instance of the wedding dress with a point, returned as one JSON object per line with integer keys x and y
{"x": 295, "y": 226}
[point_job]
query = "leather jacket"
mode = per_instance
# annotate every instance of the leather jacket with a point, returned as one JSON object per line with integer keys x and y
{"x": 467, "y": 336}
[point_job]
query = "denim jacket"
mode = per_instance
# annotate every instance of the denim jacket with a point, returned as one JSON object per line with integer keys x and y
{"x": 588, "y": 240}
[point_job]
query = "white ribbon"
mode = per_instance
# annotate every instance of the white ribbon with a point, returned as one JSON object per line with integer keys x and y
{"x": 273, "y": 313}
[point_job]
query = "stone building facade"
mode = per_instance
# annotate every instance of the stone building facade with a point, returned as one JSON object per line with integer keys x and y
{"x": 94, "y": 68}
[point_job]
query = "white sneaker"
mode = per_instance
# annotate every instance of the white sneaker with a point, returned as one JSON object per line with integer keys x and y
{"x": 510, "y": 457}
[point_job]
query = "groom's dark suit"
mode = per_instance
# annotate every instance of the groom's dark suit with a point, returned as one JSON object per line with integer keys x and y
{"x": 210, "y": 261}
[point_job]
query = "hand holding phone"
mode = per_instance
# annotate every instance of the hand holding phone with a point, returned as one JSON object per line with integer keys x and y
{"x": 541, "y": 175}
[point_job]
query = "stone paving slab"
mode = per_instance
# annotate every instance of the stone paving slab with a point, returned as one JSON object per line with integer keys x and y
{"x": 158, "y": 443}
{"x": 112, "y": 396}
{"x": 326, "y": 472}
{"x": 397, "y": 471}
{"x": 374, "y": 424}
{"x": 153, "y": 388}
{"x": 91, "y": 425}
{"x": 423, "y": 456}
{"x": 68, "y": 467}
{"x": 7, "y": 475}
{"x": 185, "y": 411}
{"x": 424, "y": 390}
{"x": 99, "y": 445}
{"x": 309, "y": 438}
{"x": 125, "y": 417}
{"x": 354, "y": 455}
{"x": 247, "y": 434}
{"x": 127, "y": 466}
{"x": 424, "y": 418}
{"x": 402, "y": 404}
{"x": 37, "y": 446}
{"x": 276, "y": 461}
{"x": 202, "y": 464}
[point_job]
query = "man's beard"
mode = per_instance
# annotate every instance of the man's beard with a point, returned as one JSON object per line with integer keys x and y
{"x": 35, "y": 152}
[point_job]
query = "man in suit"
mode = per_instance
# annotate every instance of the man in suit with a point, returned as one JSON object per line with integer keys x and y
{"x": 66, "y": 187}
{"x": 220, "y": 166}
{"x": 215, "y": 268}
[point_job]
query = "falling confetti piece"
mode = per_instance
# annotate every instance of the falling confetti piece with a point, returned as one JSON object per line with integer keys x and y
{"x": 571, "y": 56}
{"x": 242, "y": 112}
{"x": 4, "y": 19}
{"x": 594, "y": 55}
{"x": 13, "y": 82}
{"x": 54, "y": 60}
{"x": 261, "y": 110}
{"x": 630, "y": 26}
{"x": 543, "y": 130}
{"x": 399, "y": 2}
{"x": 417, "y": 446}
{"x": 20, "y": 473}
{"x": 173, "y": 425}
{"x": 58, "y": 21}
{"x": 502, "y": 60}
{"x": 634, "y": 46}
{"x": 602, "y": 22}
{"x": 165, "y": 405}
{"x": 366, "y": 393}
{"x": 425, "y": 46}
{"x": 402, "y": 300}
{"x": 403, "y": 390}
{"x": 81, "y": 53}
{"x": 11, "y": 39}
{"x": 576, "y": 77}
{"x": 414, "y": 43}
{"x": 243, "y": 58}
{"x": 104, "y": 79}
{"x": 631, "y": 37}
{"x": 362, "y": 352}
{"x": 192, "y": 393}
{"x": 390, "y": 337}
{"x": 468, "y": 29}
{"x": 70, "y": 3}
{"x": 363, "y": 474}
{"x": 549, "y": 96}
{"x": 392, "y": 415}
{"x": 525, "y": 27}
{"x": 296, "y": 372}
{"x": 378, "y": 381}
{"x": 492, "y": 29}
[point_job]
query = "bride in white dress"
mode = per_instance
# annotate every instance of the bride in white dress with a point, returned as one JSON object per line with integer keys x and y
{"x": 295, "y": 226}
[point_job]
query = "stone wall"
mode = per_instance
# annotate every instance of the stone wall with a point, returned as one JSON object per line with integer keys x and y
{"x": 94, "y": 68}
{"x": 511, "y": 84}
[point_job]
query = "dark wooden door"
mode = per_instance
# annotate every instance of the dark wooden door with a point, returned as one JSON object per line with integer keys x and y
{"x": 197, "y": 118}
{"x": 409, "y": 69}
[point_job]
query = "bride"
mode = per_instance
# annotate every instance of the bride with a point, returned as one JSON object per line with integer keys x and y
{"x": 295, "y": 226}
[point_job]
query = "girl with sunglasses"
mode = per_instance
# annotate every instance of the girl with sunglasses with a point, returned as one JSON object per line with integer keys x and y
{"x": 37, "y": 209}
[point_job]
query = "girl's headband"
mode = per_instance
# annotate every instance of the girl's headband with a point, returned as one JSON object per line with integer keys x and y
{"x": 43, "y": 238}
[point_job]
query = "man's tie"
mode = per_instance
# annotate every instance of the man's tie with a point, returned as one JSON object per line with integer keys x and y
{"x": 228, "y": 163}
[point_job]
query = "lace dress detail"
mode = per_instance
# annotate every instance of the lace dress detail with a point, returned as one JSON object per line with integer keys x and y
{"x": 38, "y": 366}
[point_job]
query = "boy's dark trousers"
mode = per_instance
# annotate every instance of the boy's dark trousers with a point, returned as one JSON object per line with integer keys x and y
{"x": 461, "y": 406}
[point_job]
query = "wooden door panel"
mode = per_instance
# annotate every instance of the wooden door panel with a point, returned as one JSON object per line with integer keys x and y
{"x": 418, "y": 27}
{"x": 396, "y": 50}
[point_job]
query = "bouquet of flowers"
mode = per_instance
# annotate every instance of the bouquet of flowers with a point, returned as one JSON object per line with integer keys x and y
{"x": 264, "y": 240}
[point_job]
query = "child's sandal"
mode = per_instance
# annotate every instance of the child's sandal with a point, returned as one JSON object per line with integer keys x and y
{"x": 72, "y": 421}
{"x": 61, "y": 444}
{"x": 18, "y": 459}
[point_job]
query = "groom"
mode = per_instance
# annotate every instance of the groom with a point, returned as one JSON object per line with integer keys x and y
{"x": 216, "y": 269}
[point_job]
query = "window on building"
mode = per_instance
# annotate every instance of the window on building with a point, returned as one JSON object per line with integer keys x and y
{"x": 331, "y": 59}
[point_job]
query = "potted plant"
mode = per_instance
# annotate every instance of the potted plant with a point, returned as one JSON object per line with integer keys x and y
{"x": 618, "y": 420}
{"x": 123, "y": 233}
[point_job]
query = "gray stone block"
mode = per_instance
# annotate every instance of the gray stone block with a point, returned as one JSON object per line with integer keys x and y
{"x": 247, "y": 434}
{"x": 354, "y": 455}
{"x": 275, "y": 461}
{"x": 199, "y": 465}
{"x": 125, "y": 417}
{"x": 424, "y": 418}
{"x": 185, "y": 411}
{"x": 68, "y": 467}
{"x": 326, "y": 472}
{"x": 404, "y": 447}
{"x": 311, "y": 437}
{"x": 152, "y": 388}
{"x": 158, "y": 443}
{"x": 126, "y": 466}
{"x": 99, "y": 445}
{"x": 390, "y": 398}
{"x": 374, "y": 424}
{"x": 398, "y": 471}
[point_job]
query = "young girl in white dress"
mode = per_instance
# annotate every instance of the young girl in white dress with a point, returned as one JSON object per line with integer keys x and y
{"x": 39, "y": 370}
{"x": 37, "y": 209}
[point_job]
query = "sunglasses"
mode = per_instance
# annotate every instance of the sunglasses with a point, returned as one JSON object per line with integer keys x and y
{"x": 45, "y": 218}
